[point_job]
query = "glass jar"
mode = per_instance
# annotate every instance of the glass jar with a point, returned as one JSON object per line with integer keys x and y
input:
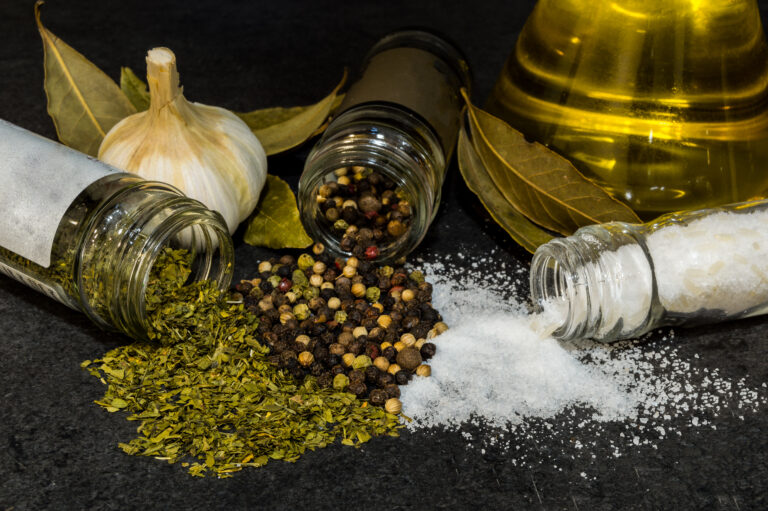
{"x": 616, "y": 280}
{"x": 398, "y": 123}
{"x": 87, "y": 235}
{"x": 663, "y": 102}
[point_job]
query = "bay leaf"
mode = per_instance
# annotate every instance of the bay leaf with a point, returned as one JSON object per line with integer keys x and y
{"x": 527, "y": 234}
{"x": 538, "y": 182}
{"x": 134, "y": 88}
{"x": 279, "y": 129}
{"x": 275, "y": 223}
{"x": 83, "y": 101}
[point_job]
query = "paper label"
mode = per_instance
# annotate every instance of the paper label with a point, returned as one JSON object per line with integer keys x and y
{"x": 28, "y": 281}
{"x": 39, "y": 179}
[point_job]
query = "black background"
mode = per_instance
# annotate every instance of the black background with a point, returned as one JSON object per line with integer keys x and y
{"x": 58, "y": 450}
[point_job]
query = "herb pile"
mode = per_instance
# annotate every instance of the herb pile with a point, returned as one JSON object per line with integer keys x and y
{"x": 203, "y": 387}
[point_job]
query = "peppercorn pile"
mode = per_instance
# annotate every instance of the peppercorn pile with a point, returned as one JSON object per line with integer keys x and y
{"x": 354, "y": 325}
{"x": 366, "y": 209}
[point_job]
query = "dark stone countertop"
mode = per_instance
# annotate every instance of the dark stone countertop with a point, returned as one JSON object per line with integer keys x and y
{"x": 58, "y": 450}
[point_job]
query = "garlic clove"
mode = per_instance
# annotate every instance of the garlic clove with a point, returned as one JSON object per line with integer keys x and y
{"x": 207, "y": 152}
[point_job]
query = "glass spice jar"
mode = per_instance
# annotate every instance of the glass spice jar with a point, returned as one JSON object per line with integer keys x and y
{"x": 381, "y": 163}
{"x": 87, "y": 234}
{"x": 617, "y": 281}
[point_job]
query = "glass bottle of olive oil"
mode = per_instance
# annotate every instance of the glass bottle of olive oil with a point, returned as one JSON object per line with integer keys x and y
{"x": 664, "y": 102}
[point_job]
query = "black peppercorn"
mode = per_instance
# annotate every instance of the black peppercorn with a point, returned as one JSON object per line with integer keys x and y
{"x": 402, "y": 377}
{"x": 337, "y": 369}
{"x": 392, "y": 390}
{"x": 357, "y": 388}
{"x": 357, "y": 375}
{"x": 390, "y": 353}
{"x": 428, "y": 350}
{"x": 385, "y": 379}
{"x": 372, "y": 374}
{"x": 325, "y": 380}
{"x": 377, "y": 397}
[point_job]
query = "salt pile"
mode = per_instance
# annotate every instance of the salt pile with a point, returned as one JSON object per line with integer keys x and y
{"x": 498, "y": 366}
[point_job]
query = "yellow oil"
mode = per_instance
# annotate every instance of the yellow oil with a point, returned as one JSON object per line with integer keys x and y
{"x": 664, "y": 102}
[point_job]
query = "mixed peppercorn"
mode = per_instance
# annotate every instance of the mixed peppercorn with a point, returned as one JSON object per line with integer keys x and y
{"x": 354, "y": 325}
{"x": 366, "y": 209}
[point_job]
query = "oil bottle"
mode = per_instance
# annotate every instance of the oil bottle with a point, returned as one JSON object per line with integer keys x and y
{"x": 663, "y": 102}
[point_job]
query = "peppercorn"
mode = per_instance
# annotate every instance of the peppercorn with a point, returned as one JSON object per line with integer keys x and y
{"x": 402, "y": 377}
{"x": 378, "y": 397}
{"x": 428, "y": 350}
{"x": 340, "y": 381}
{"x": 390, "y": 353}
{"x": 393, "y": 369}
{"x": 440, "y": 327}
{"x": 393, "y": 406}
{"x": 361, "y": 362}
{"x": 357, "y": 388}
{"x": 382, "y": 363}
{"x": 423, "y": 370}
{"x": 325, "y": 380}
{"x": 356, "y": 375}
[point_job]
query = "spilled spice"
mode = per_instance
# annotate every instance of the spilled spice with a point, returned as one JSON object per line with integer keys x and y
{"x": 206, "y": 394}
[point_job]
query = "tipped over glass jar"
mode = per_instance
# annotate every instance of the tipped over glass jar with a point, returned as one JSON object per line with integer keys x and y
{"x": 87, "y": 234}
{"x": 371, "y": 186}
{"x": 618, "y": 281}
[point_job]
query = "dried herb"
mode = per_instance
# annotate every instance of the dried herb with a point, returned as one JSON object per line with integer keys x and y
{"x": 538, "y": 182}
{"x": 279, "y": 129}
{"x": 83, "y": 102}
{"x": 205, "y": 394}
{"x": 523, "y": 231}
{"x": 275, "y": 222}
{"x": 134, "y": 88}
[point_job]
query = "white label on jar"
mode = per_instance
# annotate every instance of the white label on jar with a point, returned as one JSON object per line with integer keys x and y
{"x": 39, "y": 179}
{"x": 35, "y": 284}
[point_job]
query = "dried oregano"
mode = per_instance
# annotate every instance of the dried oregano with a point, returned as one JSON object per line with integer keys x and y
{"x": 202, "y": 386}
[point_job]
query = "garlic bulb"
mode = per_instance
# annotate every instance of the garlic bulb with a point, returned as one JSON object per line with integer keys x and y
{"x": 207, "y": 152}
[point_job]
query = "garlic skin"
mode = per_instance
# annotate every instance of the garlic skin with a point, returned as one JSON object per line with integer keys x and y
{"x": 207, "y": 152}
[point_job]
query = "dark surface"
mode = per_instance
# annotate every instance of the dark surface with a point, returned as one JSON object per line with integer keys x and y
{"x": 58, "y": 450}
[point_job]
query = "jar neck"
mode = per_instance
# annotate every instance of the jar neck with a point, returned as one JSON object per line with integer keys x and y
{"x": 125, "y": 236}
{"x": 599, "y": 282}
{"x": 386, "y": 139}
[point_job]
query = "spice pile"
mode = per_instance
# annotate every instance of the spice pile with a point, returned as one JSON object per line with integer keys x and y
{"x": 499, "y": 371}
{"x": 366, "y": 209}
{"x": 353, "y": 325}
{"x": 203, "y": 386}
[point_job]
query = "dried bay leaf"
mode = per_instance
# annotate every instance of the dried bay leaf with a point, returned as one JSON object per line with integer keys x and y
{"x": 538, "y": 182}
{"x": 275, "y": 222}
{"x": 279, "y": 129}
{"x": 83, "y": 101}
{"x": 134, "y": 88}
{"x": 523, "y": 231}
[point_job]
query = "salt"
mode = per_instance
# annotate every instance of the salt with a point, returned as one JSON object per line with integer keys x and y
{"x": 498, "y": 366}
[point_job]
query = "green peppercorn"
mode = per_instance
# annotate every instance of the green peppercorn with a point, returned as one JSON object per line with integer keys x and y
{"x": 301, "y": 311}
{"x": 372, "y": 294}
{"x": 310, "y": 293}
{"x": 361, "y": 362}
{"x": 305, "y": 261}
{"x": 340, "y": 381}
{"x": 299, "y": 278}
{"x": 340, "y": 317}
{"x": 340, "y": 225}
{"x": 274, "y": 280}
{"x": 416, "y": 276}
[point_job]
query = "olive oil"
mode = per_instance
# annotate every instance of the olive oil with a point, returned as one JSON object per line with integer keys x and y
{"x": 663, "y": 102}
